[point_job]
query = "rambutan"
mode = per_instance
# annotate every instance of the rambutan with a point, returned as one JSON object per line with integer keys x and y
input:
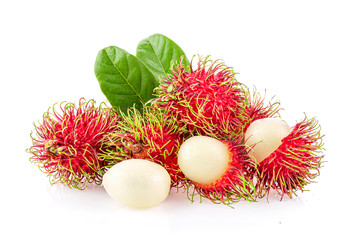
{"x": 287, "y": 158}
{"x": 258, "y": 108}
{"x": 67, "y": 143}
{"x": 217, "y": 169}
{"x": 151, "y": 135}
{"x": 205, "y": 101}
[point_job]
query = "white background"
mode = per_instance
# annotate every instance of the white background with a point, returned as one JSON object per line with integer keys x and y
{"x": 303, "y": 52}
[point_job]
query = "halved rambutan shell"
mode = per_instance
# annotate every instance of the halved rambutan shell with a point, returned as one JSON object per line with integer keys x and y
{"x": 68, "y": 141}
{"x": 232, "y": 185}
{"x": 294, "y": 164}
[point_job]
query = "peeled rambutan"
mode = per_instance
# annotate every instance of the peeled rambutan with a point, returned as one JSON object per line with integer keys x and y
{"x": 68, "y": 141}
{"x": 150, "y": 135}
{"x": 216, "y": 169}
{"x": 205, "y": 101}
{"x": 287, "y": 158}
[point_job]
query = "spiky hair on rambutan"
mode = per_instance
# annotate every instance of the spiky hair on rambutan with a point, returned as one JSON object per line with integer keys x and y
{"x": 68, "y": 141}
{"x": 148, "y": 134}
{"x": 235, "y": 184}
{"x": 258, "y": 108}
{"x": 295, "y": 163}
{"x": 206, "y": 100}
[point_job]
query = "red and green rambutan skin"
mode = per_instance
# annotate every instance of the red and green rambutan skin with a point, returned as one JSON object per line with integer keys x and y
{"x": 150, "y": 135}
{"x": 207, "y": 100}
{"x": 294, "y": 164}
{"x": 68, "y": 141}
{"x": 258, "y": 109}
{"x": 235, "y": 184}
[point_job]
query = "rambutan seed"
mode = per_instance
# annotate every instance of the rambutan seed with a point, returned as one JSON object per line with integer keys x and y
{"x": 264, "y": 137}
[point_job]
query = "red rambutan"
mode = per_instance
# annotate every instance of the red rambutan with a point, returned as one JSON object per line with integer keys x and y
{"x": 288, "y": 158}
{"x": 150, "y": 135}
{"x": 217, "y": 169}
{"x": 67, "y": 143}
{"x": 258, "y": 109}
{"x": 205, "y": 101}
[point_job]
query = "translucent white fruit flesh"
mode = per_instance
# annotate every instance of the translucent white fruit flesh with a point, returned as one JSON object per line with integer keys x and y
{"x": 137, "y": 183}
{"x": 203, "y": 159}
{"x": 267, "y": 134}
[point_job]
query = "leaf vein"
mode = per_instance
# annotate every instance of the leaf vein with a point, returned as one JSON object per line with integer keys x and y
{"x": 136, "y": 93}
{"x": 156, "y": 54}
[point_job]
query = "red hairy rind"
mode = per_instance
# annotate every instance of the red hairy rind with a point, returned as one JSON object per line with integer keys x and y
{"x": 68, "y": 141}
{"x": 258, "y": 109}
{"x": 295, "y": 163}
{"x": 205, "y": 101}
{"x": 152, "y": 136}
{"x": 235, "y": 184}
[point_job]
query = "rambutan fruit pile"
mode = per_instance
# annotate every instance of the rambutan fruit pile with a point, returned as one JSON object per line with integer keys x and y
{"x": 208, "y": 101}
{"x": 191, "y": 124}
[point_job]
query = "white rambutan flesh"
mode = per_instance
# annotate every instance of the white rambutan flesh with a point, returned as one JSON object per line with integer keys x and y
{"x": 264, "y": 136}
{"x": 203, "y": 159}
{"x": 137, "y": 183}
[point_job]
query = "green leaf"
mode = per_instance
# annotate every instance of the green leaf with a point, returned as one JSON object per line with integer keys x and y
{"x": 158, "y": 52}
{"x": 123, "y": 78}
